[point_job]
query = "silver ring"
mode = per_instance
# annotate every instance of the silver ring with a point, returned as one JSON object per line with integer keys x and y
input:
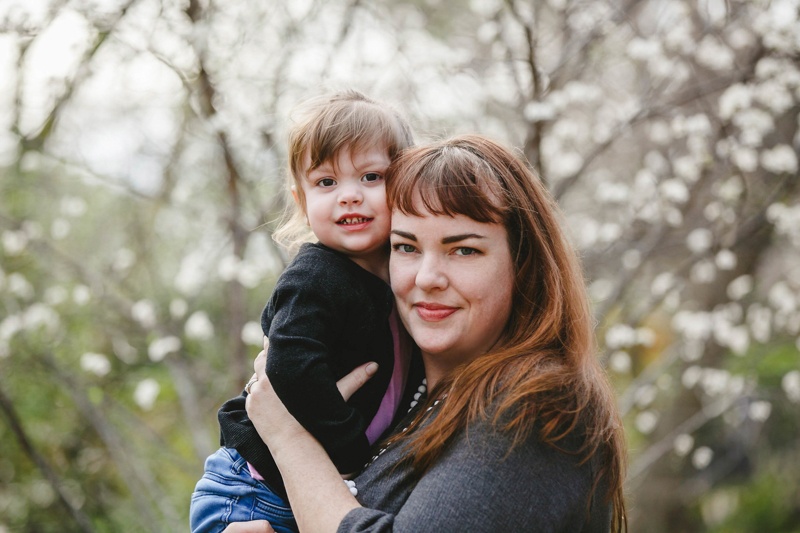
{"x": 250, "y": 383}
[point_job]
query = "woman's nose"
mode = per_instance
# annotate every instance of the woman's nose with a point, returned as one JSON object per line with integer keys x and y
{"x": 431, "y": 274}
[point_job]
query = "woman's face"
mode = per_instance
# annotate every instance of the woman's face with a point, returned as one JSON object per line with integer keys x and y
{"x": 453, "y": 280}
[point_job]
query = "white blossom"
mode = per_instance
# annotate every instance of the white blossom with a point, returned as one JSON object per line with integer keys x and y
{"x": 73, "y": 206}
{"x": 60, "y": 228}
{"x": 790, "y": 383}
{"x": 662, "y": 283}
{"x": 178, "y": 308}
{"x": 162, "y": 347}
{"x": 539, "y": 111}
{"x": 745, "y": 158}
{"x": 55, "y": 295}
{"x": 124, "y": 258}
{"x": 96, "y": 363}
{"x": 228, "y": 267}
{"x": 646, "y": 422}
{"x": 146, "y": 393}
{"x": 608, "y": 192}
{"x": 199, "y": 327}
{"x": 754, "y": 124}
{"x": 566, "y": 164}
{"x": 600, "y": 289}
{"x": 782, "y": 298}
{"x": 714, "y": 55}
{"x": 703, "y": 271}
{"x": 620, "y": 336}
{"x": 780, "y": 159}
{"x": 81, "y": 295}
{"x": 692, "y": 349}
{"x": 14, "y": 242}
{"x": 144, "y": 312}
{"x": 693, "y": 325}
{"x": 41, "y": 315}
{"x": 702, "y": 457}
{"x": 725, "y": 259}
{"x": 699, "y": 240}
{"x": 192, "y": 273}
{"x": 252, "y": 334}
{"x": 631, "y": 259}
{"x": 10, "y": 326}
{"x": 640, "y": 49}
{"x": 660, "y": 132}
{"x": 735, "y": 98}
{"x": 674, "y": 190}
{"x": 620, "y": 362}
{"x": 691, "y": 376}
{"x": 730, "y": 190}
{"x": 645, "y": 395}
{"x": 687, "y": 167}
{"x": 759, "y": 410}
{"x": 775, "y": 96}
{"x": 712, "y": 211}
{"x": 714, "y": 381}
{"x": 738, "y": 340}
{"x": 759, "y": 318}
{"x": 740, "y": 287}
{"x": 683, "y": 444}
{"x": 19, "y": 286}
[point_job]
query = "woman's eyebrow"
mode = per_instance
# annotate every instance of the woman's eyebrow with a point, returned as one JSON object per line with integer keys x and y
{"x": 458, "y": 238}
{"x": 405, "y": 235}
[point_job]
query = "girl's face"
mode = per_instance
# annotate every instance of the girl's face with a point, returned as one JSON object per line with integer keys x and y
{"x": 345, "y": 203}
{"x": 453, "y": 280}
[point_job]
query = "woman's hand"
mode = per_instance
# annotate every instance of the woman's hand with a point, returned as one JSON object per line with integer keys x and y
{"x": 254, "y": 526}
{"x": 318, "y": 496}
{"x": 273, "y": 422}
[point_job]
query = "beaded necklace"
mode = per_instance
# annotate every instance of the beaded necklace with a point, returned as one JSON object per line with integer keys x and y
{"x": 420, "y": 394}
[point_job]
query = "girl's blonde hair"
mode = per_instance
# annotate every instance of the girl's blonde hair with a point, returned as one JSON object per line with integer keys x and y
{"x": 322, "y": 127}
{"x": 543, "y": 375}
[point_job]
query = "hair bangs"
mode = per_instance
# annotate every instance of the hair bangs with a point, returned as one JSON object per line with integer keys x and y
{"x": 446, "y": 180}
{"x": 357, "y": 126}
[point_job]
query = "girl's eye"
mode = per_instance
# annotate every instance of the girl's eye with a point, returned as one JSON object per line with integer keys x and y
{"x": 326, "y": 182}
{"x": 466, "y": 251}
{"x": 371, "y": 176}
{"x": 404, "y": 248}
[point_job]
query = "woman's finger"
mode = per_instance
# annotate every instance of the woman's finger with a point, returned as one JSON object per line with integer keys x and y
{"x": 353, "y": 381}
{"x": 260, "y": 364}
{"x": 254, "y": 526}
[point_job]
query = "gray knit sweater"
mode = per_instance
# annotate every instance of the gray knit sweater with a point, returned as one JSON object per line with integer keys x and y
{"x": 478, "y": 486}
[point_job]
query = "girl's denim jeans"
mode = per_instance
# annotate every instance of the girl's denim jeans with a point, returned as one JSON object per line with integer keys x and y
{"x": 228, "y": 493}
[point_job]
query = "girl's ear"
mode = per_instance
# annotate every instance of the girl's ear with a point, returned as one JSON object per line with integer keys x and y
{"x": 300, "y": 204}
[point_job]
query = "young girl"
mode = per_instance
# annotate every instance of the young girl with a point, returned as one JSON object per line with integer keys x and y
{"x": 331, "y": 310}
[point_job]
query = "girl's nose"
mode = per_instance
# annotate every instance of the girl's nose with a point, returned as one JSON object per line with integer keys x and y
{"x": 350, "y": 195}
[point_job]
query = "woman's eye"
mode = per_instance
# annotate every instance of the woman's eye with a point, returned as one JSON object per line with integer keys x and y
{"x": 466, "y": 251}
{"x": 403, "y": 248}
{"x": 371, "y": 176}
{"x": 326, "y": 182}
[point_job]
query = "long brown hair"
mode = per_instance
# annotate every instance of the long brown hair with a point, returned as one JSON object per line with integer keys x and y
{"x": 544, "y": 371}
{"x": 321, "y": 128}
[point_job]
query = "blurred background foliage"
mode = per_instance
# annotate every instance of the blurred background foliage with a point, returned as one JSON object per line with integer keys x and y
{"x": 141, "y": 172}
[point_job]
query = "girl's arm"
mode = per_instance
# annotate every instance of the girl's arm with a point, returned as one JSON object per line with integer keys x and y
{"x": 319, "y": 497}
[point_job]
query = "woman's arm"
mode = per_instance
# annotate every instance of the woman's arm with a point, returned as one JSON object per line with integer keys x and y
{"x": 319, "y": 497}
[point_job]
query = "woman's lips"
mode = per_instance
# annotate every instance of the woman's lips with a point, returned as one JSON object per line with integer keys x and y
{"x": 434, "y": 312}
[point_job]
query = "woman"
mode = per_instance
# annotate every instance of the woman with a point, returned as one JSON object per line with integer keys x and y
{"x": 519, "y": 430}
